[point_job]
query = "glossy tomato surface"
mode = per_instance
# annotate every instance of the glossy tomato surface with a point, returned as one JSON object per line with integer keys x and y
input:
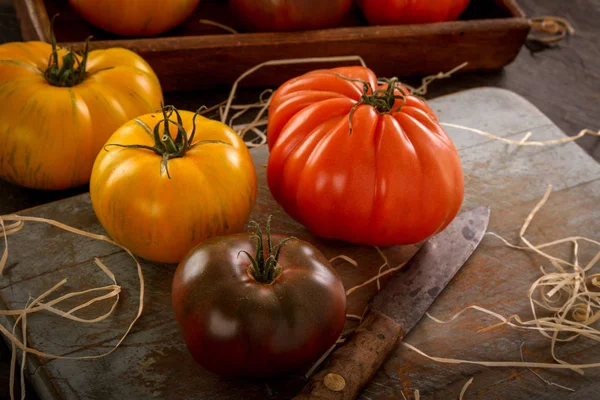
{"x": 135, "y": 17}
{"x": 397, "y": 179}
{"x": 398, "y": 12}
{"x": 236, "y": 326}
{"x": 290, "y": 15}
{"x": 160, "y": 216}
{"x": 50, "y": 135}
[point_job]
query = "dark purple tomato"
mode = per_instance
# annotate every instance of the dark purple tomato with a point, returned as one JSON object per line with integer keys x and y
{"x": 241, "y": 319}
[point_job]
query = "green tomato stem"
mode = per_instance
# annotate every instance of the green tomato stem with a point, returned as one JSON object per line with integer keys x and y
{"x": 72, "y": 71}
{"x": 167, "y": 141}
{"x": 164, "y": 145}
{"x": 261, "y": 269}
{"x": 383, "y": 100}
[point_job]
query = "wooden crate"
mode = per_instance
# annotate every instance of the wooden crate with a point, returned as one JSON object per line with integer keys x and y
{"x": 194, "y": 55}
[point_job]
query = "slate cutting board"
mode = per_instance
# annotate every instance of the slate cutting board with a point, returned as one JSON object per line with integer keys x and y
{"x": 153, "y": 361}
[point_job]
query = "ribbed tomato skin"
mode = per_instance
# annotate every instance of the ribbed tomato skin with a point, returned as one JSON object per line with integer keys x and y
{"x": 49, "y": 135}
{"x": 208, "y": 192}
{"x": 397, "y": 179}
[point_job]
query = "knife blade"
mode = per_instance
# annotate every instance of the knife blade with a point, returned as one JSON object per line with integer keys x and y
{"x": 397, "y": 308}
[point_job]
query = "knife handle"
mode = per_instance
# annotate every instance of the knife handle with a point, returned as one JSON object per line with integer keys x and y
{"x": 355, "y": 362}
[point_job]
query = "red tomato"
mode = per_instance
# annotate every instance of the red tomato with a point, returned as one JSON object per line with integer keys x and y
{"x": 135, "y": 17}
{"x": 240, "y": 320}
{"x": 396, "y": 179}
{"x": 398, "y": 12}
{"x": 290, "y": 15}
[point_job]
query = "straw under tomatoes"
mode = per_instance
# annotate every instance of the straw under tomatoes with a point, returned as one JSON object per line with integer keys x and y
{"x": 362, "y": 162}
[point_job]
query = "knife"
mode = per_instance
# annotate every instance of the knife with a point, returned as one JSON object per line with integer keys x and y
{"x": 397, "y": 308}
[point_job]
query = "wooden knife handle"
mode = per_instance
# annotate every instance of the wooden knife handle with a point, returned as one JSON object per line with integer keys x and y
{"x": 355, "y": 363}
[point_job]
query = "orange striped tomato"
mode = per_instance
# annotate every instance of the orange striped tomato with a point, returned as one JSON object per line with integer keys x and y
{"x": 159, "y": 194}
{"x": 56, "y": 116}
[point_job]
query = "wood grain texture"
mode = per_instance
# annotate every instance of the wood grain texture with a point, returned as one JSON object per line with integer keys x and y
{"x": 154, "y": 362}
{"x": 563, "y": 81}
{"x": 192, "y": 56}
{"x": 357, "y": 361}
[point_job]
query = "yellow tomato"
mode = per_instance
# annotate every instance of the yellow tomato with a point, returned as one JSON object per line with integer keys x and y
{"x": 135, "y": 17}
{"x": 55, "y": 116}
{"x": 161, "y": 194}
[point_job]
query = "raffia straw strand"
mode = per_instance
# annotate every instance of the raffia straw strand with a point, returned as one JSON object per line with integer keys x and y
{"x": 243, "y": 107}
{"x": 581, "y": 134}
{"x": 257, "y": 120}
{"x": 212, "y": 108}
{"x": 381, "y": 267}
{"x": 385, "y": 264}
{"x": 563, "y": 292}
{"x": 341, "y": 339}
{"x": 345, "y": 258}
{"x": 354, "y": 316}
{"x": 321, "y": 359}
{"x": 549, "y": 244}
{"x": 556, "y": 26}
{"x": 464, "y": 389}
{"x": 546, "y": 326}
{"x": 218, "y": 25}
{"x": 22, "y": 317}
{"x": 373, "y": 279}
{"x": 376, "y": 277}
{"x": 526, "y": 137}
{"x": 499, "y": 363}
{"x": 114, "y": 290}
{"x": 239, "y": 127}
{"x": 12, "y": 228}
{"x": 23, "y": 356}
{"x": 552, "y": 18}
{"x": 5, "y": 252}
{"x": 539, "y": 376}
{"x": 282, "y": 62}
{"x": 13, "y": 364}
{"x": 422, "y": 90}
{"x": 22, "y": 314}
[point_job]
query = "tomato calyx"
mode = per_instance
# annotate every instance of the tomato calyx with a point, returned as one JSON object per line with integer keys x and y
{"x": 265, "y": 270}
{"x": 382, "y": 100}
{"x": 164, "y": 145}
{"x": 73, "y": 69}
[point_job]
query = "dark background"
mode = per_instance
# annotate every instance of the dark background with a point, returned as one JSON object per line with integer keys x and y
{"x": 563, "y": 82}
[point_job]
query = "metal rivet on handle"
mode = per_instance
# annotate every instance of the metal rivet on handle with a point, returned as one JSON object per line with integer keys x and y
{"x": 334, "y": 382}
